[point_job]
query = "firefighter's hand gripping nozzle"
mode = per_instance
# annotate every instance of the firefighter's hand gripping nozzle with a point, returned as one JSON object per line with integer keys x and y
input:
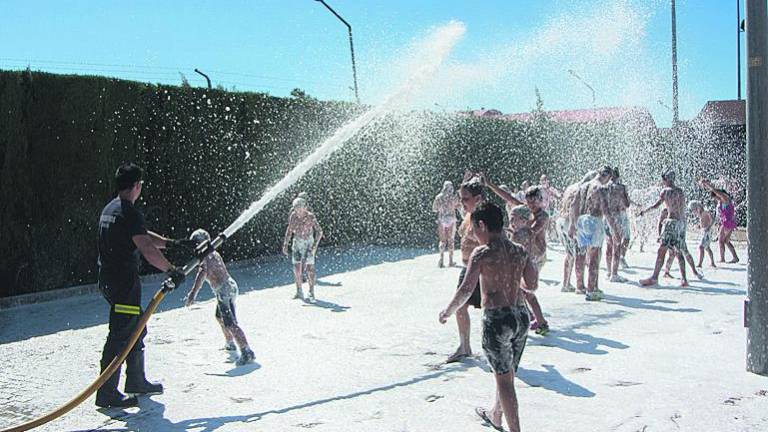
{"x": 176, "y": 275}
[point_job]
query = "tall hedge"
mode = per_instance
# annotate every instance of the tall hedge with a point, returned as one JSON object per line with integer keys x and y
{"x": 209, "y": 153}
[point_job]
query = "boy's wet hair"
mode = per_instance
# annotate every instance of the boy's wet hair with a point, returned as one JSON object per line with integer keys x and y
{"x": 668, "y": 175}
{"x": 127, "y": 175}
{"x": 474, "y": 186}
{"x": 605, "y": 171}
{"x": 491, "y": 216}
{"x": 533, "y": 193}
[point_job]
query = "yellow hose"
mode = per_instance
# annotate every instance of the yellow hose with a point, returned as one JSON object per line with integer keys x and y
{"x": 77, "y": 400}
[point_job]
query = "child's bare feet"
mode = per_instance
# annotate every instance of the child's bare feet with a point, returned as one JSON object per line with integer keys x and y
{"x": 648, "y": 282}
{"x": 458, "y": 355}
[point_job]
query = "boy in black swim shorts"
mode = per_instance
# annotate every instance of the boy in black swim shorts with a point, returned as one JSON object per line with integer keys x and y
{"x": 502, "y": 265}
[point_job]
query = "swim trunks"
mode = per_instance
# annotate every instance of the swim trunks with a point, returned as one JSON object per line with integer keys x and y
{"x": 571, "y": 245}
{"x": 706, "y": 238}
{"x": 673, "y": 234}
{"x": 302, "y": 250}
{"x": 623, "y": 222}
{"x": 476, "y": 299}
{"x": 505, "y": 331}
{"x": 590, "y": 231}
{"x": 446, "y": 221}
{"x": 226, "y": 294}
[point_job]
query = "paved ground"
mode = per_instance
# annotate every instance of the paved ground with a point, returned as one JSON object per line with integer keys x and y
{"x": 368, "y": 356}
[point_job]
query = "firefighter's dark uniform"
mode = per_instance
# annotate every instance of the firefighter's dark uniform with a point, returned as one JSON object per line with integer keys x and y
{"x": 119, "y": 283}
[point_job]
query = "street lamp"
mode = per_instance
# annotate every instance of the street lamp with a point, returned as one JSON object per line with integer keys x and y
{"x": 351, "y": 46}
{"x": 208, "y": 80}
{"x": 575, "y": 75}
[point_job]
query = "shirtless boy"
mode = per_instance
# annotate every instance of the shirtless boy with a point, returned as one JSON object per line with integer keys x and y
{"x": 618, "y": 203}
{"x": 306, "y": 233}
{"x": 587, "y": 227}
{"x": 522, "y": 234}
{"x": 673, "y": 229}
{"x": 571, "y": 246}
{"x": 706, "y": 222}
{"x": 471, "y": 193}
{"x": 445, "y": 205}
{"x": 214, "y": 271}
{"x": 498, "y": 265}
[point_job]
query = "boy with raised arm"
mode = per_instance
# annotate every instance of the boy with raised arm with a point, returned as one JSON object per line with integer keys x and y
{"x": 673, "y": 228}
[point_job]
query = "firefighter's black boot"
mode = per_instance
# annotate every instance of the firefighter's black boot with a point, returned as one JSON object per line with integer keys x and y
{"x": 108, "y": 396}
{"x": 135, "y": 381}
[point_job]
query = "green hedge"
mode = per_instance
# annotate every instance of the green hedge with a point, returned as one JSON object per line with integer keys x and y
{"x": 209, "y": 153}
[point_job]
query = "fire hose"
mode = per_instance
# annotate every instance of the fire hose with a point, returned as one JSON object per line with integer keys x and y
{"x": 201, "y": 251}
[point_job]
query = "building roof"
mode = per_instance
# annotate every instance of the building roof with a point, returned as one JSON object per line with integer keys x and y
{"x": 722, "y": 113}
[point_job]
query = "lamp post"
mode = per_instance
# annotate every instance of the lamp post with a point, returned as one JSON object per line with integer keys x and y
{"x": 575, "y": 75}
{"x": 351, "y": 46}
{"x": 208, "y": 80}
{"x": 675, "y": 105}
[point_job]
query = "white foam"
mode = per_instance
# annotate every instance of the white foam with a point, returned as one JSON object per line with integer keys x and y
{"x": 436, "y": 48}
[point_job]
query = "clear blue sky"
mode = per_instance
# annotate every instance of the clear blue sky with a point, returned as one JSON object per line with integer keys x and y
{"x": 621, "y": 47}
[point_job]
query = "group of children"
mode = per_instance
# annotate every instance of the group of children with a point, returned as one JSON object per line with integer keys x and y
{"x": 502, "y": 262}
{"x": 507, "y": 258}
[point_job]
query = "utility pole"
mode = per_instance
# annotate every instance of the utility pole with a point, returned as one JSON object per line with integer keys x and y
{"x": 351, "y": 46}
{"x": 756, "y": 304}
{"x": 675, "y": 105}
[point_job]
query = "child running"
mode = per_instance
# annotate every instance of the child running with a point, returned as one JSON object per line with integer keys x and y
{"x": 213, "y": 271}
{"x": 706, "y": 222}
{"x": 306, "y": 233}
{"x": 498, "y": 265}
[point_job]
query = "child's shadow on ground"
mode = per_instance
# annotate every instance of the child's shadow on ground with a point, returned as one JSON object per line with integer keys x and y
{"x": 333, "y": 307}
{"x": 238, "y": 371}
{"x": 321, "y": 282}
{"x": 576, "y": 342}
{"x": 553, "y": 380}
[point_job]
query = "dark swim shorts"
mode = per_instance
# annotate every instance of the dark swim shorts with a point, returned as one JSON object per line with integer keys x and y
{"x": 225, "y": 310}
{"x": 505, "y": 331}
{"x": 475, "y": 300}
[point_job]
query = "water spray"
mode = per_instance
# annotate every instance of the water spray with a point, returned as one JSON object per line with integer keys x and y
{"x": 436, "y": 50}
